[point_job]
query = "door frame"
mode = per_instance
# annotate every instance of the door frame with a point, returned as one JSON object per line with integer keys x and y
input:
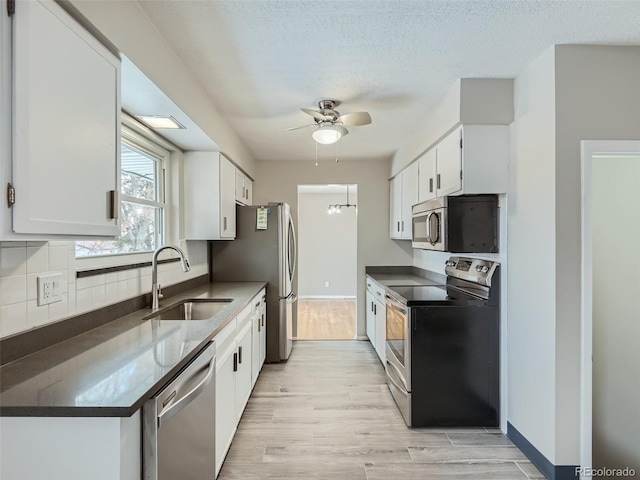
{"x": 588, "y": 150}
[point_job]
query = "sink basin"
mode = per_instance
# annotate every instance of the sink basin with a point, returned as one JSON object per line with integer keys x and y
{"x": 193, "y": 309}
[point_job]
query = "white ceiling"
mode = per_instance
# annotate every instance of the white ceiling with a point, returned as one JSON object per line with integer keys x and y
{"x": 261, "y": 60}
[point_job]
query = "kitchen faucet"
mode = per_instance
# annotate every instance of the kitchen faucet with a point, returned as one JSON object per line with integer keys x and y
{"x": 156, "y": 292}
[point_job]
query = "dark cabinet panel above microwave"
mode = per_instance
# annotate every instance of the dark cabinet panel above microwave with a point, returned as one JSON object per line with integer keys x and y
{"x": 458, "y": 224}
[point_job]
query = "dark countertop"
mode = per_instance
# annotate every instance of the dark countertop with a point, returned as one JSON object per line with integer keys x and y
{"x": 404, "y": 276}
{"x": 111, "y": 370}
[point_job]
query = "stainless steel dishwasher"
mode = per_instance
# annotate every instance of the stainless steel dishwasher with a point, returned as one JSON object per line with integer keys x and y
{"x": 179, "y": 424}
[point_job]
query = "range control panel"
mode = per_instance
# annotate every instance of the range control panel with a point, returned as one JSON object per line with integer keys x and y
{"x": 471, "y": 269}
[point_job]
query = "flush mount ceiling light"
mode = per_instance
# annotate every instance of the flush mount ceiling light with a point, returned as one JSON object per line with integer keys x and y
{"x": 160, "y": 121}
{"x": 328, "y": 133}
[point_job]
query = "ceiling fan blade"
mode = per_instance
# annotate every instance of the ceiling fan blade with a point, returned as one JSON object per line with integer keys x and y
{"x": 315, "y": 114}
{"x": 302, "y": 126}
{"x": 355, "y": 119}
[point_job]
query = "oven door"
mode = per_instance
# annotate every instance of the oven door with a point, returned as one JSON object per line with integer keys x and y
{"x": 398, "y": 345}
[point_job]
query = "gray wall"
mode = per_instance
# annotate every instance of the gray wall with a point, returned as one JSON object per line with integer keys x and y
{"x": 571, "y": 93}
{"x": 327, "y": 245}
{"x": 279, "y": 180}
{"x": 616, "y": 312}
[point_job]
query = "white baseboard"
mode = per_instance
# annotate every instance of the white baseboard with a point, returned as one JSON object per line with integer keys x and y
{"x": 327, "y": 296}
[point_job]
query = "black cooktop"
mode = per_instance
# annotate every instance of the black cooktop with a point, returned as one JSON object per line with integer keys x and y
{"x": 434, "y": 295}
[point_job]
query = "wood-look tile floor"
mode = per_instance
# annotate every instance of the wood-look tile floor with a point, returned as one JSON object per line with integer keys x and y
{"x": 328, "y": 414}
{"x": 326, "y": 319}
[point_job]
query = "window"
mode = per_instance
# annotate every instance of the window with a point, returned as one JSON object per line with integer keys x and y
{"x": 142, "y": 206}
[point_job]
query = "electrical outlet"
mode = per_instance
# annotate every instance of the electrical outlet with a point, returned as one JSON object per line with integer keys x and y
{"x": 49, "y": 288}
{"x": 326, "y": 284}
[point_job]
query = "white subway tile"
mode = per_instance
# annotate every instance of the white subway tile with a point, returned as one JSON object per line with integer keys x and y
{"x": 37, "y": 243}
{"x": 37, "y": 259}
{"x": 13, "y": 261}
{"x": 58, "y": 257}
{"x": 61, "y": 243}
{"x": 59, "y": 309}
{"x": 83, "y": 283}
{"x": 123, "y": 292}
{"x": 83, "y": 300}
{"x": 111, "y": 277}
{"x": 71, "y": 303}
{"x": 133, "y": 285}
{"x": 111, "y": 293}
{"x": 98, "y": 296}
{"x": 13, "y": 319}
{"x": 71, "y": 265}
{"x": 13, "y": 244}
{"x": 13, "y": 289}
{"x": 32, "y": 286}
{"x": 37, "y": 315}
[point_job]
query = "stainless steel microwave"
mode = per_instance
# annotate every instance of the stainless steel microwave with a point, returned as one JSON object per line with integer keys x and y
{"x": 460, "y": 224}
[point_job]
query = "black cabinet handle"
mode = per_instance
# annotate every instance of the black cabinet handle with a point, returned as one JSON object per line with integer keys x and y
{"x": 239, "y": 354}
{"x": 235, "y": 362}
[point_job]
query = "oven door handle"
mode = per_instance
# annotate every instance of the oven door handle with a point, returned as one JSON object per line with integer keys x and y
{"x": 395, "y": 304}
{"x": 397, "y": 372}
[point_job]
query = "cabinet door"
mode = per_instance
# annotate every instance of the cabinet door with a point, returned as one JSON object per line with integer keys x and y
{"x": 395, "y": 206}
{"x": 226, "y": 421}
{"x": 427, "y": 176}
{"x": 449, "y": 164}
{"x": 263, "y": 331}
{"x": 248, "y": 184}
{"x": 256, "y": 330}
{"x": 240, "y": 189}
{"x": 243, "y": 374}
{"x": 371, "y": 319}
{"x": 66, "y": 130}
{"x": 381, "y": 329}
{"x": 227, "y": 199}
{"x": 409, "y": 199}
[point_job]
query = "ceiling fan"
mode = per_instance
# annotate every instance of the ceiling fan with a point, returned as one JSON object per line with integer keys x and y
{"x": 330, "y": 125}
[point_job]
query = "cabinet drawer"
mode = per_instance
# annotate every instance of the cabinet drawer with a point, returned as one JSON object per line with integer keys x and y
{"x": 226, "y": 335}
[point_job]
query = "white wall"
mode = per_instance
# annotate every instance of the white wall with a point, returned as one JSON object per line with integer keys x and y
{"x": 130, "y": 30}
{"x": 616, "y": 311}
{"x": 596, "y": 99}
{"x": 532, "y": 256}
{"x": 279, "y": 180}
{"x": 327, "y": 245}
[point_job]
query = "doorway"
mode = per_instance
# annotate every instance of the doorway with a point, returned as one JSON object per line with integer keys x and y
{"x": 610, "y": 423}
{"x": 327, "y": 265}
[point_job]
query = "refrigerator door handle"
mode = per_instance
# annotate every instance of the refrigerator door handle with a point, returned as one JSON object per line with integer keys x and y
{"x": 293, "y": 298}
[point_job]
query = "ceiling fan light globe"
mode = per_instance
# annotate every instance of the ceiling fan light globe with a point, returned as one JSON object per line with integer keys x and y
{"x": 328, "y": 134}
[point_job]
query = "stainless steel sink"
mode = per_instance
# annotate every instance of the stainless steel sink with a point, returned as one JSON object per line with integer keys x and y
{"x": 192, "y": 309}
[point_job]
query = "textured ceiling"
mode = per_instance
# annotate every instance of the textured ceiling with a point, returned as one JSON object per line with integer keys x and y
{"x": 261, "y": 60}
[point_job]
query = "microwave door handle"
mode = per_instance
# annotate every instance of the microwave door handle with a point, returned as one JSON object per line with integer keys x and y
{"x": 428, "y": 229}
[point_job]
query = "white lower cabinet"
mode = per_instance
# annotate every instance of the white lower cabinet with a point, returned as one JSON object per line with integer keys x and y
{"x": 376, "y": 318}
{"x": 238, "y": 347}
{"x": 259, "y": 341}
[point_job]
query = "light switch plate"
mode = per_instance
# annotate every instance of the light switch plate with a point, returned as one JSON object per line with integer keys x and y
{"x": 49, "y": 288}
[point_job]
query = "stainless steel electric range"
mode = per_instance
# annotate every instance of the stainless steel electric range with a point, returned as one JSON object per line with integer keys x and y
{"x": 442, "y": 347}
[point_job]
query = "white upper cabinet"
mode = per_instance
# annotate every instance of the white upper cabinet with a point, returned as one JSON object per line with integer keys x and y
{"x": 427, "y": 176}
{"x": 449, "y": 164}
{"x": 473, "y": 159}
{"x": 65, "y": 135}
{"x": 244, "y": 188}
{"x": 403, "y": 195}
{"x": 209, "y": 197}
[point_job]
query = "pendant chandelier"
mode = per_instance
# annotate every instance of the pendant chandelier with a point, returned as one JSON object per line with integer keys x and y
{"x": 337, "y": 208}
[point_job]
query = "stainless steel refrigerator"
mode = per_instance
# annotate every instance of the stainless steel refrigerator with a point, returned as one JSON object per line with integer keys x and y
{"x": 263, "y": 252}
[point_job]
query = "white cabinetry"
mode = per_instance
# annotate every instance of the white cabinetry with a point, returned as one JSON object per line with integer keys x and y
{"x": 376, "y": 318}
{"x": 209, "y": 197}
{"x": 259, "y": 342}
{"x": 403, "y": 195}
{"x": 244, "y": 188}
{"x": 235, "y": 372}
{"x": 63, "y": 96}
{"x": 473, "y": 159}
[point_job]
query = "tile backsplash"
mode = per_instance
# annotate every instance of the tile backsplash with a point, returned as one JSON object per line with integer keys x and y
{"x": 22, "y": 262}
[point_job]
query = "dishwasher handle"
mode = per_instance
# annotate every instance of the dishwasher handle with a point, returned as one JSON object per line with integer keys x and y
{"x": 189, "y": 396}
